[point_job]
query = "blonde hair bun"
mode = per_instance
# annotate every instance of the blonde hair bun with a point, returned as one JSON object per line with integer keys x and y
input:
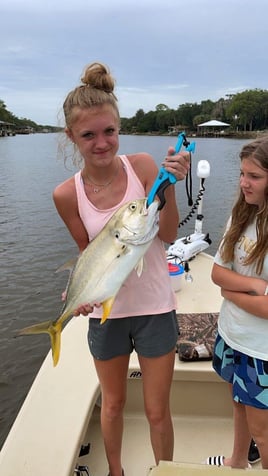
{"x": 98, "y": 76}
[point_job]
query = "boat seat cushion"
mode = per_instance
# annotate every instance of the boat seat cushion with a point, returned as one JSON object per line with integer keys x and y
{"x": 197, "y": 336}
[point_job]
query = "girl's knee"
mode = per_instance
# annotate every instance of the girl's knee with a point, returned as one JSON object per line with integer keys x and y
{"x": 113, "y": 408}
{"x": 158, "y": 417}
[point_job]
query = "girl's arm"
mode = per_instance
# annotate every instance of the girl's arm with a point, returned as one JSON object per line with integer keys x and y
{"x": 233, "y": 281}
{"x": 64, "y": 197}
{"x": 256, "y": 305}
{"x": 65, "y": 200}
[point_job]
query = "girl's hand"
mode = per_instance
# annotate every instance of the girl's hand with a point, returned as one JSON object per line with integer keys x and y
{"x": 259, "y": 286}
{"x": 84, "y": 309}
{"x": 178, "y": 164}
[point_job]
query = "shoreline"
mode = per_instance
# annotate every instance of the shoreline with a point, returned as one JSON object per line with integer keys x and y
{"x": 206, "y": 135}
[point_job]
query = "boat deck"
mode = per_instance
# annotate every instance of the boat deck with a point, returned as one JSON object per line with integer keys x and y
{"x": 202, "y": 426}
{"x": 190, "y": 435}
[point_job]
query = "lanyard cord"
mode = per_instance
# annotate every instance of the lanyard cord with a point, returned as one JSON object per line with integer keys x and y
{"x": 189, "y": 184}
{"x": 195, "y": 205}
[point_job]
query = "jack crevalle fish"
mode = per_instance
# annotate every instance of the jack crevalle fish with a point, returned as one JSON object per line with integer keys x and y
{"x": 104, "y": 265}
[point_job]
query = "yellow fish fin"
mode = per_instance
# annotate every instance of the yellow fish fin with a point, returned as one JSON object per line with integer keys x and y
{"x": 139, "y": 267}
{"x": 54, "y": 331}
{"x": 107, "y": 306}
{"x": 55, "y": 339}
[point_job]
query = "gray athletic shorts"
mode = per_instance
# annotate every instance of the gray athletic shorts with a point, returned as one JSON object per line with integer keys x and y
{"x": 150, "y": 336}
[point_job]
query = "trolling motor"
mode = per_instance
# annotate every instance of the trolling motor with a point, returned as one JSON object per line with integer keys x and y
{"x": 189, "y": 246}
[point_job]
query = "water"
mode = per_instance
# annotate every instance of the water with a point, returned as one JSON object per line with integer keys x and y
{"x": 34, "y": 241}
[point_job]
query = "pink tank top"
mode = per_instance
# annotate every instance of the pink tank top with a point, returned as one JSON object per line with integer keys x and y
{"x": 151, "y": 293}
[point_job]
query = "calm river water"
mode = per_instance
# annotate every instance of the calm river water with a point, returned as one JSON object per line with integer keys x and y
{"x": 34, "y": 241}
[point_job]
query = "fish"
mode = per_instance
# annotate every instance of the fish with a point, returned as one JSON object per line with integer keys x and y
{"x": 104, "y": 265}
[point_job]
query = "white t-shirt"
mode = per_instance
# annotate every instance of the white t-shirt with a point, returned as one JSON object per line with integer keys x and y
{"x": 241, "y": 330}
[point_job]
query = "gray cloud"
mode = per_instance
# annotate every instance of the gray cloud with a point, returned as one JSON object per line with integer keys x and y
{"x": 168, "y": 52}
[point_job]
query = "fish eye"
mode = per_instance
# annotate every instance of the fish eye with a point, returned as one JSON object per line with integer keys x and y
{"x": 133, "y": 206}
{"x": 117, "y": 234}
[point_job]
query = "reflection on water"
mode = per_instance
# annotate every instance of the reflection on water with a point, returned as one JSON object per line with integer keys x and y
{"x": 34, "y": 241}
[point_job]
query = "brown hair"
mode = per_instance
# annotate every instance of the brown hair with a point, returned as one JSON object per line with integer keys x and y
{"x": 97, "y": 89}
{"x": 243, "y": 213}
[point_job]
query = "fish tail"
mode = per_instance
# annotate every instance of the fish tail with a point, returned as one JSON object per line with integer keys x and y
{"x": 53, "y": 328}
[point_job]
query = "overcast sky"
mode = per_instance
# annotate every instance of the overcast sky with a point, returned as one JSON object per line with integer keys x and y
{"x": 159, "y": 51}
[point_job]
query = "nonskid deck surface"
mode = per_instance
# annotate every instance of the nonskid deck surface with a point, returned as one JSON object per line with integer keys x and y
{"x": 202, "y": 415}
{"x": 195, "y": 439}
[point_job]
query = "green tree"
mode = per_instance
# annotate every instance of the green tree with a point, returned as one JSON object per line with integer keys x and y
{"x": 200, "y": 118}
{"x": 147, "y": 123}
{"x": 186, "y": 113}
{"x": 248, "y": 109}
{"x": 207, "y": 107}
{"x": 161, "y": 107}
{"x": 245, "y": 106}
{"x": 218, "y": 110}
{"x": 262, "y": 119}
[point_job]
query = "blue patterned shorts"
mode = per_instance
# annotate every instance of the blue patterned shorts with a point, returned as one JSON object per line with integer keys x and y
{"x": 248, "y": 375}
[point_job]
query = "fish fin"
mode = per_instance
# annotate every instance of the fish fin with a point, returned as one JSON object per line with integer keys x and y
{"x": 42, "y": 328}
{"x": 55, "y": 339}
{"x": 54, "y": 331}
{"x": 107, "y": 306}
{"x": 68, "y": 266}
{"x": 139, "y": 267}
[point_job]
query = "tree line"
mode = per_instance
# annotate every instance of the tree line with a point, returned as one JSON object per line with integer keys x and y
{"x": 21, "y": 123}
{"x": 244, "y": 111}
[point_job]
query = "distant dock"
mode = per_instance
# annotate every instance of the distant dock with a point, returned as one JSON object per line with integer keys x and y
{"x": 10, "y": 129}
{"x": 7, "y": 129}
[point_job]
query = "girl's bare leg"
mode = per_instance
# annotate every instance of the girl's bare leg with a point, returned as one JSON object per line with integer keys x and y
{"x": 157, "y": 373}
{"x": 258, "y": 424}
{"x": 242, "y": 438}
{"x": 112, "y": 375}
